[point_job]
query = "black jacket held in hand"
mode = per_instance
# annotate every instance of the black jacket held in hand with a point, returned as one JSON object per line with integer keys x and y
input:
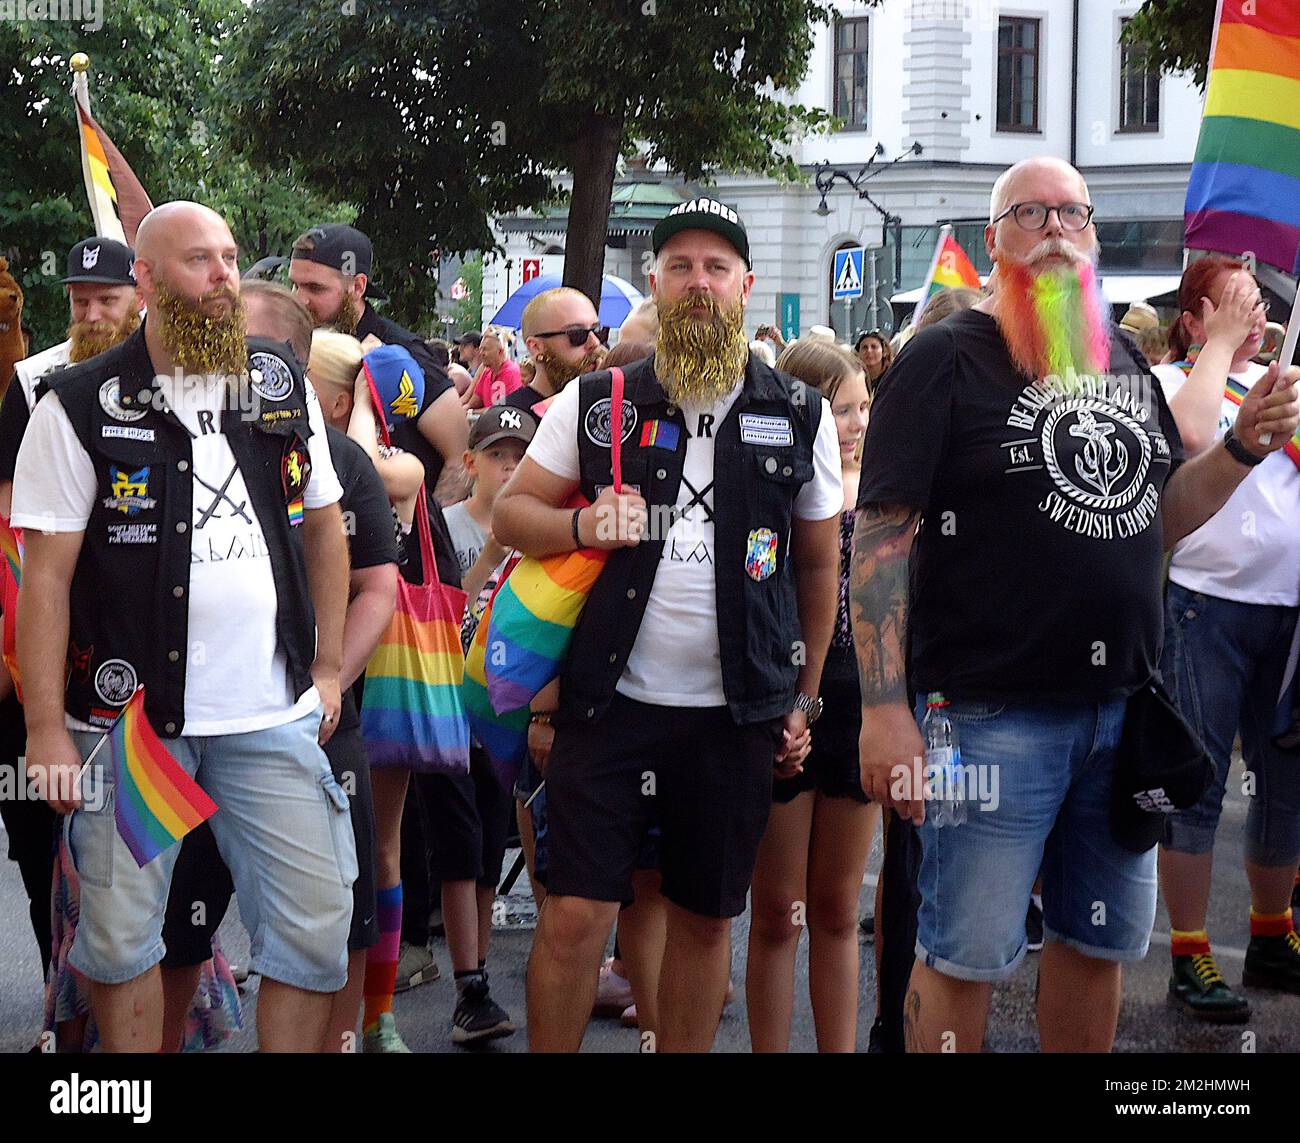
{"x": 755, "y": 489}
{"x": 129, "y": 606}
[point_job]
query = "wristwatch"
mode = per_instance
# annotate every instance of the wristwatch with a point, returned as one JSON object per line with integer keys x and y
{"x": 811, "y": 705}
{"x": 1239, "y": 451}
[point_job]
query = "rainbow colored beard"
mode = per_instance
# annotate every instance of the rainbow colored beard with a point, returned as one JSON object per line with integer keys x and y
{"x": 1054, "y": 323}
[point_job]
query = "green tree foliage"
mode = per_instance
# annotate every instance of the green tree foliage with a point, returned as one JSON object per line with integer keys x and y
{"x": 157, "y": 82}
{"x": 433, "y": 116}
{"x": 1177, "y": 34}
{"x": 467, "y": 313}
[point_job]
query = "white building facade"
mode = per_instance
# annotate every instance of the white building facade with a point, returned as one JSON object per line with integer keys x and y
{"x": 978, "y": 84}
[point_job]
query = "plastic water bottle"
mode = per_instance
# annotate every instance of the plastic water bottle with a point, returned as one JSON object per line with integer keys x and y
{"x": 943, "y": 764}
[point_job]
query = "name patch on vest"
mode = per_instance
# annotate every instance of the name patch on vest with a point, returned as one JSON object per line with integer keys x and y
{"x": 760, "y": 430}
{"x": 125, "y": 432}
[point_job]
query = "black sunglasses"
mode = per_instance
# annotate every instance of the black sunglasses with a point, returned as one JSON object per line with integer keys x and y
{"x": 578, "y": 337}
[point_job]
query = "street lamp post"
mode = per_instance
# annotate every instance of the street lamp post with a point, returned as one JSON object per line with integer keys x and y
{"x": 825, "y": 177}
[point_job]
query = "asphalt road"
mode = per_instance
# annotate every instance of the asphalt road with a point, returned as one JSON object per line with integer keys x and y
{"x": 1147, "y": 1023}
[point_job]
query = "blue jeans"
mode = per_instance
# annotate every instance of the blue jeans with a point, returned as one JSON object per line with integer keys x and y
{"x": 1223, "y": 663}
{"x": 1044, "y": 773}
{"x": 283, "y": 829}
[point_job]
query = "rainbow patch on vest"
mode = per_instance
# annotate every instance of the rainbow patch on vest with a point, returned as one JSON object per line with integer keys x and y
{"x": 659, "y": 434}
{"x": 295, "y": 512}
{"x": 760, "y": 554}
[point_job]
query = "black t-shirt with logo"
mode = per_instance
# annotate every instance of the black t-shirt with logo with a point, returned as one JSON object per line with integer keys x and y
{"x": 1037, "y": 568}
{"x": 368, "y": 519}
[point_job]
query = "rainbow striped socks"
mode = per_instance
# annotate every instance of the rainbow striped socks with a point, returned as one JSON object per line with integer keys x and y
{"x": 381, "y": 959}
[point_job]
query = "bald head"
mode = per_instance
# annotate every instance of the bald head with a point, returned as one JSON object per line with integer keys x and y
{"x": 167, "y": 225}
{"x": 188, "y": 248}
{"x": 1032, "y": 173}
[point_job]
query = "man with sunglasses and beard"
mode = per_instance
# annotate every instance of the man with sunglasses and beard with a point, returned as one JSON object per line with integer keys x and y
{"x": 1030, "y": 442}
{"x": 694, "y": 667}
{"x": 184, "y": 536}
{"x": 564, "y": 339}
{"x": 104, "y": 308}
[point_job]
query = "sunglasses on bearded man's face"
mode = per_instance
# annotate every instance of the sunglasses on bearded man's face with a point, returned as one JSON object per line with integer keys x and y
{"x": 578, "y": 337}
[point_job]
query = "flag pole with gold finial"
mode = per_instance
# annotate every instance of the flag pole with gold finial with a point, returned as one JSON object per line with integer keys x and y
{"x": 96, "y": 162}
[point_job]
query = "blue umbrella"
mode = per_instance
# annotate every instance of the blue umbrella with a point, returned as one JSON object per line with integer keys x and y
{"x": 618, "y": 298}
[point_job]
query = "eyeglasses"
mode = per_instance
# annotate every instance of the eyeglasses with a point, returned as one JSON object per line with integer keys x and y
{"x": 1034, "y": 215}
{"x": 578, "y": 337}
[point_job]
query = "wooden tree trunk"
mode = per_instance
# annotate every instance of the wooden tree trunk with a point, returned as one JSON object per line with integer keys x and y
{"x": 594, "y": 160}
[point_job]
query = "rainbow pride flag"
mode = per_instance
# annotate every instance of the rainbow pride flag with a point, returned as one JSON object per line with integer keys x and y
{"x": 412, "y": 713}
{"x": 155, "y": 803}
{"x": 1244, "y": 193}
{"x": 950, "y": 269}
{"x": 533, "y": 615}
{"x": 504, "y": 737}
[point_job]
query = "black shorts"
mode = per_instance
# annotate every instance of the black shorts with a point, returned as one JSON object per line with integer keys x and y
{"x": 831, "y": 767}
{"x": 201, "y": 875}
{"x": 466, "y": 819}
{"x": 706, "y": 782}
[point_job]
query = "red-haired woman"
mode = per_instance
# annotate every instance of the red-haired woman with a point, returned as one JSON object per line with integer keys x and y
{"x": 1230, "y": 613}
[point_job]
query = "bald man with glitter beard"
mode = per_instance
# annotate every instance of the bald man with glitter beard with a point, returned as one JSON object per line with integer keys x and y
{"x": 183, "y": 535}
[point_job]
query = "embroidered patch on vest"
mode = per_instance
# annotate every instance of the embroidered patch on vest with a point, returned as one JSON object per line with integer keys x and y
{"x": 270, "y": 377}
{"x": 115, "y": 681}
{"x": 597, "y": 422}
{"x": 110, "y": 400}
{"x": 760, "y": 554}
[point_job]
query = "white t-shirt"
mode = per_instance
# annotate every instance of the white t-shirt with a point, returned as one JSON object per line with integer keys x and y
{"x": 466, "y": 536}
{"x": 675, "y": 660}
{"x": 1248, "y": 551}
{"x": 236, "y": 678}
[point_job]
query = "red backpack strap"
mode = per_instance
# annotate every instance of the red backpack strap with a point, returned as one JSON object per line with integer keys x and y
{"x": 616, "y": 425}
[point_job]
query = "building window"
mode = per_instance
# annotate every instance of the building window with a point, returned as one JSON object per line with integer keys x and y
{"x": 1018, "y": 42}
{"x": 851, "y": 73}
{"x": 1139, "y": 88}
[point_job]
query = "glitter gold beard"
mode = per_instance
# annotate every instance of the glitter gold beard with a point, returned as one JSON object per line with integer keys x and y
{"x": 699, "y": 359}
{"x": 348, "y": 316}
{"x": 91, "y": 338}
{"x": 197, "y": 342}
{"x": 560, "y": 372}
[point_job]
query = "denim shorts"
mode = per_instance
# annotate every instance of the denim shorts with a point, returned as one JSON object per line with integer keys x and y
{"x": 283, "y": 828}
{"x": 1223, "y": 663}
{"x": 1042, "y": 774}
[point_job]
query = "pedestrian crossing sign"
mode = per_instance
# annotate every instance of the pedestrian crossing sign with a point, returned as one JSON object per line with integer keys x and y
{"x": 848, "y": 273}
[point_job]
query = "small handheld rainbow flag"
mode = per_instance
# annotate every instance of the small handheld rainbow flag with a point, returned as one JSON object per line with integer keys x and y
{"x": 156, "y": 803}
{"x": 949, "y": 269}
{"x": 1244, "y": 192}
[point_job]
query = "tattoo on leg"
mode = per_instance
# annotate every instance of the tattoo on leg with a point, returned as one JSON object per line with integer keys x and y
{"x": 911, "y": 1023}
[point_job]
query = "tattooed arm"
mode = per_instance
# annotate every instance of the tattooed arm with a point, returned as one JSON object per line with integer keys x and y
{"x": 882, "y": 546}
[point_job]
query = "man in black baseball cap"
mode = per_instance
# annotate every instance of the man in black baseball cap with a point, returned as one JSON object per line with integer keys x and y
{"x": 105, "y": 309}
{"x": 330, "y": 268}
{"x": 703, "y": 214}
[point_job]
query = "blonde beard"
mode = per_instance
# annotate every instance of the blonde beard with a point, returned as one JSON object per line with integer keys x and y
{"x": 348, "y": 316}
{"x": 699, "y": 360}
{"x": 91, "y": 338}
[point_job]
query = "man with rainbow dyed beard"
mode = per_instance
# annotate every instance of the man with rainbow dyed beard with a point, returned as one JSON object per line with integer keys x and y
{"x": 1022, "y": 478}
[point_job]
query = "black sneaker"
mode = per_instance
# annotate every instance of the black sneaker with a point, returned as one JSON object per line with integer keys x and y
{"x": 1273, "y": 962}
{"x": 477, "y": 1017}
{"x": 1034, "y": 928}
{"x": 1197, "y": 984}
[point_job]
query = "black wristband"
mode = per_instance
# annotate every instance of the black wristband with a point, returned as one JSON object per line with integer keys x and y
{"x": 1239, "y": 452}
{"x": 577, "y": 540}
